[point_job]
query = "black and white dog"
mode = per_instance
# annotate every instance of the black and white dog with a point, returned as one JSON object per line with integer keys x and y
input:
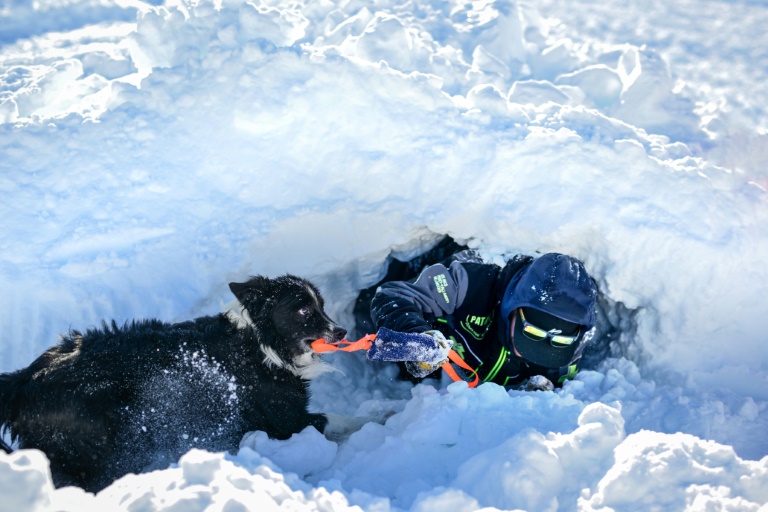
{"x": 125, "y": 399}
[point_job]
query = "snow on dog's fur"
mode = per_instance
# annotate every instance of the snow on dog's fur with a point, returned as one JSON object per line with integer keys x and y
{"x": 127, "y": 398}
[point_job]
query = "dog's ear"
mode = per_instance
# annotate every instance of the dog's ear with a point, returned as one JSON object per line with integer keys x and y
{"x": 239, "y": 290}
{"x": 251, "y": 291}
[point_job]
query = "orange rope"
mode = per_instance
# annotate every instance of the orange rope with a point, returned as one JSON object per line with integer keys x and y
{"x": 364, "y": 343}
{"x": 447, "y": 368}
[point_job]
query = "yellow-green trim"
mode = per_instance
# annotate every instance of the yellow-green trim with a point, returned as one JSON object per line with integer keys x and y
{"x": 572, "y": 371}
{"x": 499, "y": 363}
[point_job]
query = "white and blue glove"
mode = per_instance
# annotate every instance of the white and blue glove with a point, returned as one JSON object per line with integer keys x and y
{"x": 423, "y": 353}
{"x": 432, "y": 359}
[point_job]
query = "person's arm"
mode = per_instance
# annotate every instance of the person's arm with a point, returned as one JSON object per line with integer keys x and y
{"x": 412, "y": 307}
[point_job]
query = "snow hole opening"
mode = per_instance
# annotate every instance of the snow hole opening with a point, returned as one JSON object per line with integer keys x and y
{"x": 616, "y": 323}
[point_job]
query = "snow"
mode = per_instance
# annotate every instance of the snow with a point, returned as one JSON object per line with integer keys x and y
{"x": 153, "y": 153}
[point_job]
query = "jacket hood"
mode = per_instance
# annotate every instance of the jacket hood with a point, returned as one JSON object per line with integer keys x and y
{"x": 556, "y": 284}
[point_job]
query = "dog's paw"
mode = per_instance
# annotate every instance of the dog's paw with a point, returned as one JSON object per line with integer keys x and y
{"x": 339, "y": 428}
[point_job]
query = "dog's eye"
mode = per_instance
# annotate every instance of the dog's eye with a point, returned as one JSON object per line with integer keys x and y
{"x": 304, "y": 311}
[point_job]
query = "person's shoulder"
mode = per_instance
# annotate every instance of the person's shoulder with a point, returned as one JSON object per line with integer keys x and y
{"x": 515, "y": 264}
{"x": 519, "y": 260}
{"x": 473, "y": 263}
{"x": 476, "y": 265}
{"x": 463, "y": 257}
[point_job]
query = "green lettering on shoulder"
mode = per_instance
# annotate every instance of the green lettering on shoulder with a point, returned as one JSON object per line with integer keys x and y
{"x": 441, "y": 284}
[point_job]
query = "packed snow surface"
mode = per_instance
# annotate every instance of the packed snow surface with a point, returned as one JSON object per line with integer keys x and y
{"x": 150, "y": 154}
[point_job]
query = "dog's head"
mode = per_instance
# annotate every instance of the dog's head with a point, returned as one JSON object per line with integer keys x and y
{"x": 287, "y": 313}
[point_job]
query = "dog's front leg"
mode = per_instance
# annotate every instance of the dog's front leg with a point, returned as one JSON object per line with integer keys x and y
{"x": 319, "y": 421}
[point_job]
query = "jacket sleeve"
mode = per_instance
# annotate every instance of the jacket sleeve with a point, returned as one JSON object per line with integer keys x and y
{"x": 412, "y": 307}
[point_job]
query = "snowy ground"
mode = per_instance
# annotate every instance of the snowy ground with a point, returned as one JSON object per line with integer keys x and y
{"x": 151, "y": 154}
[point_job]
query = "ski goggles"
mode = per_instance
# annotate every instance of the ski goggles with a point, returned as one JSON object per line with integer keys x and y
{"x": 556, "y": 339}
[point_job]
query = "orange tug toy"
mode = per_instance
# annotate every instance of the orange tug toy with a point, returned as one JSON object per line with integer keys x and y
{"x": 388, "y": 345}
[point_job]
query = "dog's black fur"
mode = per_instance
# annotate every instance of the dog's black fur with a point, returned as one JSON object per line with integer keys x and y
{"x": 124, "y": 399}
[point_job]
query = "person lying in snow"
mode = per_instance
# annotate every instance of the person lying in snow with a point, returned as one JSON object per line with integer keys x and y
{"x": 525, "y": 324}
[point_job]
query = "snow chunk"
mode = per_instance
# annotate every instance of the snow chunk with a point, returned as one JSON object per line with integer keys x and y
{"x": 303, "y": 453}
{"x": 25, "y": 481}
{"x": 669, "y": 472}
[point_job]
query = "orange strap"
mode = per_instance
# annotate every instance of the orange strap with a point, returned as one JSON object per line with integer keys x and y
{"x": 364, "y": 343}
{"x": 453, "y": 356}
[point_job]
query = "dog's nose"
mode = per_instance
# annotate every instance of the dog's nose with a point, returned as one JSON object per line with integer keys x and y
{"x": 339, "y": 333}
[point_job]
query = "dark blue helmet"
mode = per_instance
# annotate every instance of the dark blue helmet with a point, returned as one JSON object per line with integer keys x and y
{"x": 562, "y": 294}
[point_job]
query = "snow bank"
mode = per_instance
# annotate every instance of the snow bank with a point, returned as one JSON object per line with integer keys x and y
{"x": 222, "y": 139}
{"x": 497, "y": 450}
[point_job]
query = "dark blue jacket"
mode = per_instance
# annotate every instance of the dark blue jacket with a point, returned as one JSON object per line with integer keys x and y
{"x": 470, "y": 302}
